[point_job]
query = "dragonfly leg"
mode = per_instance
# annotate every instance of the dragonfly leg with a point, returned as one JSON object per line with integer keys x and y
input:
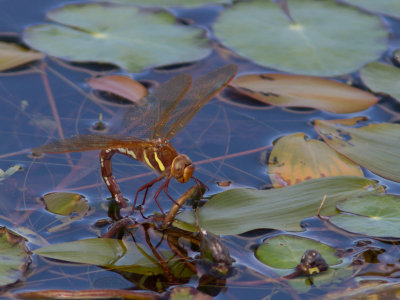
{"x": 146, "y": 186}
{"x": 109, "y": 179}
{"x": 163, "y": 186}
{"x": 200, "y": 184}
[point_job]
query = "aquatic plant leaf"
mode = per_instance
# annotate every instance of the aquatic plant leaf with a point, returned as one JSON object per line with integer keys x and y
{"x": 368, "y": 290}
{"x": 64, "y": 204}
{"x": 375, "y": 147}
{"x": 111, "y": 253}
{"x": 304, "y": 91}
{"x": 372, "y": 215}
{"x": 239, "y": 210}
{"x": 119, "y": 85}
{"x": 9, "y": 172}
{"x": 295, "y": 158}
{"x": 188, "y": 293}
{"x": 382, "y": 78}
{"x": 285, "y": 251}
{"x": 12, "y": 55}
{"x": 167, "y": 3}
{"x": 387, "y": 7}
{"x": 259, "y": 30}
{"x": 140, "y": 39}
{"x": 14, "y": 257}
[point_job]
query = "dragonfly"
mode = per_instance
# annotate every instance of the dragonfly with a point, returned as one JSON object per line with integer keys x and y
{"x": 161, "y": 116}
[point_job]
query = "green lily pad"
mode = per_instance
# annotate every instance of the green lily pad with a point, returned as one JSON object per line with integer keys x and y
{"x": 65, "y": 204}
{"x": 382, "y": 78}
{"x": 167, "y": 3}
{"x": 322, "y": 40}
{"x": 296, "y": 158}
{"x": 372, "y": 215}
{"x": 239, "y": 210}
{"x": 387, "y": 7}
{"x": 14, "y": 257}
{"x": 114, "y": 254}
{"x": 140, "y": 39}
{"x": 285, "y": 251}
{"x": 375, "y": 147}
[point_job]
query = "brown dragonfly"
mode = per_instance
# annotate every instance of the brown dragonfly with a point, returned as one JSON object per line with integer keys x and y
{"x": 162, "y": 115}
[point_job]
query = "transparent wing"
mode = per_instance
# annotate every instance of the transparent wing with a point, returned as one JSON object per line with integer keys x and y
{"x": 203, "y": 89}
{"x": 87, "y": 142}
{"x": 150, "y": 117}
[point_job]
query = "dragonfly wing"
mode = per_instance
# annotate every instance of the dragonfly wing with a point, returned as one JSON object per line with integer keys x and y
{"x": 148, "y": 118}
{"x": 85, "y": 142}
{"x": 166, "y": 98}
{"x": 203, "y": 89}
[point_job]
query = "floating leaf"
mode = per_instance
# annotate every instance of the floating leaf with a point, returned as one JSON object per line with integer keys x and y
{"x": 259, "y": 30}
{"x": 66, "y": 203}
{"x": 295, "y": 158}
{"x": 166, "y": 3}
{"x": 285, "y": 251}
{"x": 240, "y": 210}
{"x": 382, "y": 78}
{"x": 122, "y": 86}
{"x": 367, "y": 290}
{"x": 12, "y": 55}
{"x": 387, "y": 7}
{"x": 304, "y": 91}
{"x": 140, "y": 39}
{"x": 111, "y": 253}
{"x": 375, "y": 147}
{"x": 187, "y": 293}
{"x": 372, "y": 215}
{"x": 10, "y": 171}
{"x": 14, "y": 258}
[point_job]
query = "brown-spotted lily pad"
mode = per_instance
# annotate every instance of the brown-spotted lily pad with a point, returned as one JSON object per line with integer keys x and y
{"x": 14, "y": 257}
{"x": 304, "y": 91}
{"x": 295, "y": 158}
{"x": 375, "y": 146}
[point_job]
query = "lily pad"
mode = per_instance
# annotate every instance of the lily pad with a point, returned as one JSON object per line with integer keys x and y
{"x": 239, "y": 210}
{"x": 9, "y": 172}
{"x": 382, "y": 78}
{"x": 387, "y": 7}
{"x": 259, "y": 30}
{"x": 372, "y": 215}
{"x": 140, "y": 39}
{"x": 114, "y": 254}
{"x": 14, "y": 257}
{"x": 285, "y": 252}
{"x": 65, "y": 204}
{"x": 375, "y": 147}
{"x": 167, "y": 3}
{"x": 122, "y": 86}
{"x": 295, "y": 158}
{"x": 12, "y": 55}
{"x": 304, "y": 91}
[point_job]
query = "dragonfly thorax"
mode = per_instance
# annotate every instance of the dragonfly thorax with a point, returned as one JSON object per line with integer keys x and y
{"x": 182, "y": 168}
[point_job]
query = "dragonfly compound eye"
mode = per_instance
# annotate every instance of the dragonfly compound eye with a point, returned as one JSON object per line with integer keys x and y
{"x": 182, "y": 168}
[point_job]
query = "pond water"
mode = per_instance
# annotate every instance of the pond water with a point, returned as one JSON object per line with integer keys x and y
{"x": 228, "y": 140}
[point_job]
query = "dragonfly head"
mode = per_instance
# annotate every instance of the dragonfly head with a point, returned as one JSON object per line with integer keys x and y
{"x": 182, "y": 168}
